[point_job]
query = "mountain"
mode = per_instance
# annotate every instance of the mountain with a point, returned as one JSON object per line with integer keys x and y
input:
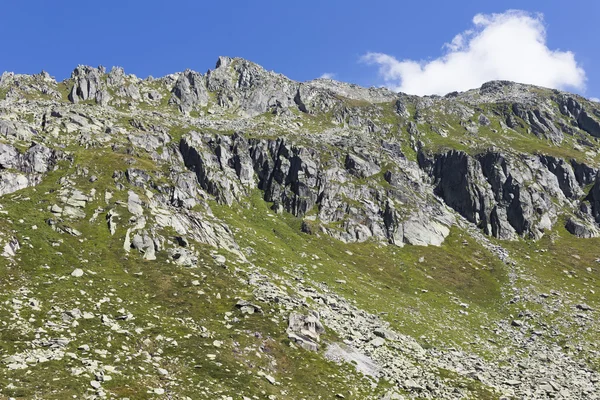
{"x": 240, "y": 235}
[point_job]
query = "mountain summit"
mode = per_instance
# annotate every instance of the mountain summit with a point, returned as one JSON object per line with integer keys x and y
{"x": 237, "y": 234}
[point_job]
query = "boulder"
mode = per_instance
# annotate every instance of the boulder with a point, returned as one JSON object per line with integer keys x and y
{"x": 305, "y": 330}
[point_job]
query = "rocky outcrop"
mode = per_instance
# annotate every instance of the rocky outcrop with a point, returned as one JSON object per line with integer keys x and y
{"x": 20, "y": 170}
{"x": 504, "y": 194}
{"x": 221, "y": 163}
{"x": 243, "y": 85}
{"x": 575, "y": 110}
{"x": 581, "y": 228}
{"x": 190, "y": 91}
{"x": 563, "y": 171}
{"x": 88, "y": 85}
{"x": 540, "y": 122}
{"x": 584, "y": 173}
{"x": 591, "y": 205}
{"x": 462, "y": 185}
{"x": 589, "y": 124}
{"x": 15, "y": 130}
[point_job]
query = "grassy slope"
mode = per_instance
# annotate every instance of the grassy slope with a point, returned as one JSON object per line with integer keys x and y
{"x": 162, "y": 301}
{"x": 410, "y": 286}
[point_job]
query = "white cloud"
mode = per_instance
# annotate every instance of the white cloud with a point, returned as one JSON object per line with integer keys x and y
{"x": 509, "y": 46}
{"x": 327, "y": 75}
{"x": 595, "y": 99}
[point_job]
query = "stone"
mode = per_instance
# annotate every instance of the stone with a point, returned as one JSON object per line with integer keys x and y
{"x": 77, "y": 273}
{"x": 248, "y": 308}
{"x": 134, "y": 204}
{"x": 305, "y": 330}
{"x": 512, "y": 382}
{"x": 95, "y": 384}
{"x": 219, "y": 259}
{"x": 411, "y": 385}
{"x": 583, "y": 307}
{"x": 11, "y": 248}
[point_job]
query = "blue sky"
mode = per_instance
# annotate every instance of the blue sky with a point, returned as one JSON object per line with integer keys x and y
{"x": 302, "y": 40}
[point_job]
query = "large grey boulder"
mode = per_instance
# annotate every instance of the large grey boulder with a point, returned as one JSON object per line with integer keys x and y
{"x": 305, "y": 330}
{"x": 422, "y": 231}
{"x": 581, "y": 228}
{"x": 144, "y": 244}
{"x": 11, "y": 182}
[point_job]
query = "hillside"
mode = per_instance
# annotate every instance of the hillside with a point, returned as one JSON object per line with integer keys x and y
{"x": 239, "y": 235}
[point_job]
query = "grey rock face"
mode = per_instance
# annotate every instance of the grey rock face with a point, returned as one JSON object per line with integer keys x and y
{"x": 116, "y": 77}
{"x": 15, "y": 130}
{"x": 87, "y": 84}
{"x": 26, "y": 169}
{"x": 360, "y": 167}
{"x": 189, "y": 91}
{"x": 567, "y": 181}
{"x": 593, "y": 198}
{"x": 462, "y": 185}
{"x": 584, "y": 173}
{"x": 540, "y": 122}
{"x": 249, "y": 87}
{"x": 222, "y": 165}
{"x": 524, "y": 189}
{"x": 585, "y": 121}
{"x": 296, "y": 180}
{"x": 311, "y": 99}
{"x": 503, "y": 194}
{"x": 589, "y": 124}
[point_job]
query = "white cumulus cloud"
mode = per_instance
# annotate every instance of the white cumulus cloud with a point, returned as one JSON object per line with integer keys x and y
{"x": 327, "y": 75}
{"x": 508, "y": 46}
